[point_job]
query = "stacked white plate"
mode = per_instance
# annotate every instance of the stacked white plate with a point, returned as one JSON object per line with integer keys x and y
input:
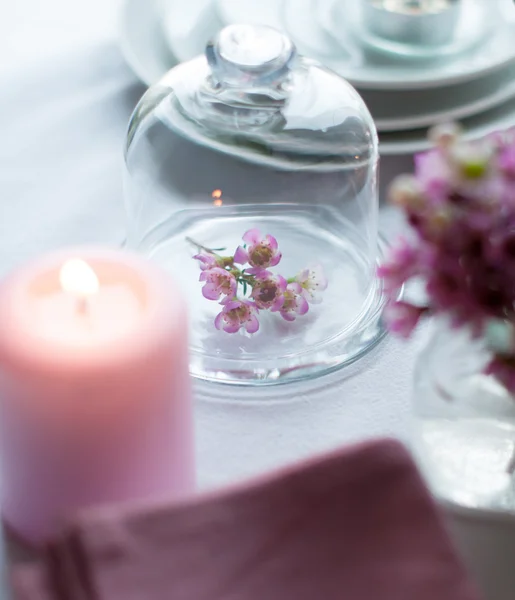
{"x": 474, "y": 81}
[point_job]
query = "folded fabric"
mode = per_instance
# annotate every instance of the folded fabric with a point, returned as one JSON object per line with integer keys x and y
{"x": 30, "y": 582}
{"x": 357, "y": 524}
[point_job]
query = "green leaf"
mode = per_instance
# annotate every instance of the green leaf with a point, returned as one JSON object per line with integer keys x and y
{"x": 244, "y": 288}
{"x": 218, "y": 249}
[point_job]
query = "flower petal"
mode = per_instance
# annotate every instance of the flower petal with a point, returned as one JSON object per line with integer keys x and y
{"x": 206, "y": 261}
{"x": 276, "y": 259}
{"x": 277, "y": 304}
{"x": 295, "y": 288}
{"x": 210, "y": 291}
{"x": 233, "y": 286}
{"x": 402, "y": 317}
{"x": 241, "y": 256}
{"x": 318, "y": 277}
{"x": 287, "y": 316}
{"x": 219, "y": 320}
{"x": 258, "y": 272}
{"x": 230, "y": 303}
{"x": 302, "y": 276}
{"x": 272, "y": 242}
{"x": 219, "y": 271}
{"x": 230, "y": 327}
{"x": 308, "y": 295}
{"x": 252, "y": 236}
{"x": 302, "y": 306}
{"x": 282, "y": 284}
{"x": 252, "y": 325}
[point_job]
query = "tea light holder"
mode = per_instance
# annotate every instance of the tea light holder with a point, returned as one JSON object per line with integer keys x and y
{"x": 414, "y": 22}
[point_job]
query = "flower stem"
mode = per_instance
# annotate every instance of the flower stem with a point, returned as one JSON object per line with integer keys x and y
{"x": 205, "y": 248}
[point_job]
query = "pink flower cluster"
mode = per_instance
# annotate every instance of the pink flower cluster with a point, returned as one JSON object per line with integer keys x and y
{"x": 460, "y": 204}
{"x": 248, "y": 269}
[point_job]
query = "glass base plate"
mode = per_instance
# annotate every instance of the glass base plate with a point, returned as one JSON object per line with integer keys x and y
{"x": 332, "y": 335}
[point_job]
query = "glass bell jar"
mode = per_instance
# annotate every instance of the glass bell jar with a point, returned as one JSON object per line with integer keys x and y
{"x": 251, "y": 175}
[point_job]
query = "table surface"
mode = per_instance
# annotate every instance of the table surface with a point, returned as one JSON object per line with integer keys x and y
{"x": 66, "y": 96}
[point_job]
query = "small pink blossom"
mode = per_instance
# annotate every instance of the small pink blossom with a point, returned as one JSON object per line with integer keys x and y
{"x": 434, "y": 175}
{"x": 402, "y": 265}
{"x": 312, "y": 281}
{"x": 219, "y": 282}
{"x": 294, "y": 303}
{"x": 207, "y": 261}
{"x": 261, "y": 252}
{"x": 237, "y": 314}
{"x": 268, "y": 292}
{"x": 402, "y": 317}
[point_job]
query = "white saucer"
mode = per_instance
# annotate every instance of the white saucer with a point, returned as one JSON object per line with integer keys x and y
{"x": 319, "y": 31}
{"x": 394, "y": 110}
{"x": 154, "y": 39}
{"x": 326, "y": 30}
{"x": 408, "y": 142}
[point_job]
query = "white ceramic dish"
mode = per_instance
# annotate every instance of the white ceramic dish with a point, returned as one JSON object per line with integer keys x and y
{"x": 408, "y": 142}
{"x": 411, "y": 109}
{"x": 327, "y": 30}
{"x": 330, "y": 31}
{"x": 151, "y": 47}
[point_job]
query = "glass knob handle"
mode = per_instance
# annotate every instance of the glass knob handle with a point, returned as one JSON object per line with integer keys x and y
{"x": 250, "y": 56}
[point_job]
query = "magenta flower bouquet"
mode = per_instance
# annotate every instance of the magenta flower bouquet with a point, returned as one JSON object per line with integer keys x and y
{"x": 460, "y": 205}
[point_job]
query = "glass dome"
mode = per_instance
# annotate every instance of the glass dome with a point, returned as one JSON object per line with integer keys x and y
{"x": 262, "y": 164}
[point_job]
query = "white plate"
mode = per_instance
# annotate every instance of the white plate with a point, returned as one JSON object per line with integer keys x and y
{"x": 394, "y": 110}
{"x": 151, "y": 50}
{"x": 408, "y": 142}
{"x": 328, "y": 30}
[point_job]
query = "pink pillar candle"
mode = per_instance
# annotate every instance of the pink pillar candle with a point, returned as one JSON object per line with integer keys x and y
{"x": 95, "y": 398}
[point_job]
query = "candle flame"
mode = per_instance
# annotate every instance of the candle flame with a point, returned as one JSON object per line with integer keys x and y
{"x": 217, "y": 197}
{"x": 77, "y": 277}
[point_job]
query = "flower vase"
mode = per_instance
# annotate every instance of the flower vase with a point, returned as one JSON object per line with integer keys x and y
{"x": 464, "y": 435}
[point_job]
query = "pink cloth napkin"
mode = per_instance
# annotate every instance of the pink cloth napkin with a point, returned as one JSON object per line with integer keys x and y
{"x": 356, "y": 524}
